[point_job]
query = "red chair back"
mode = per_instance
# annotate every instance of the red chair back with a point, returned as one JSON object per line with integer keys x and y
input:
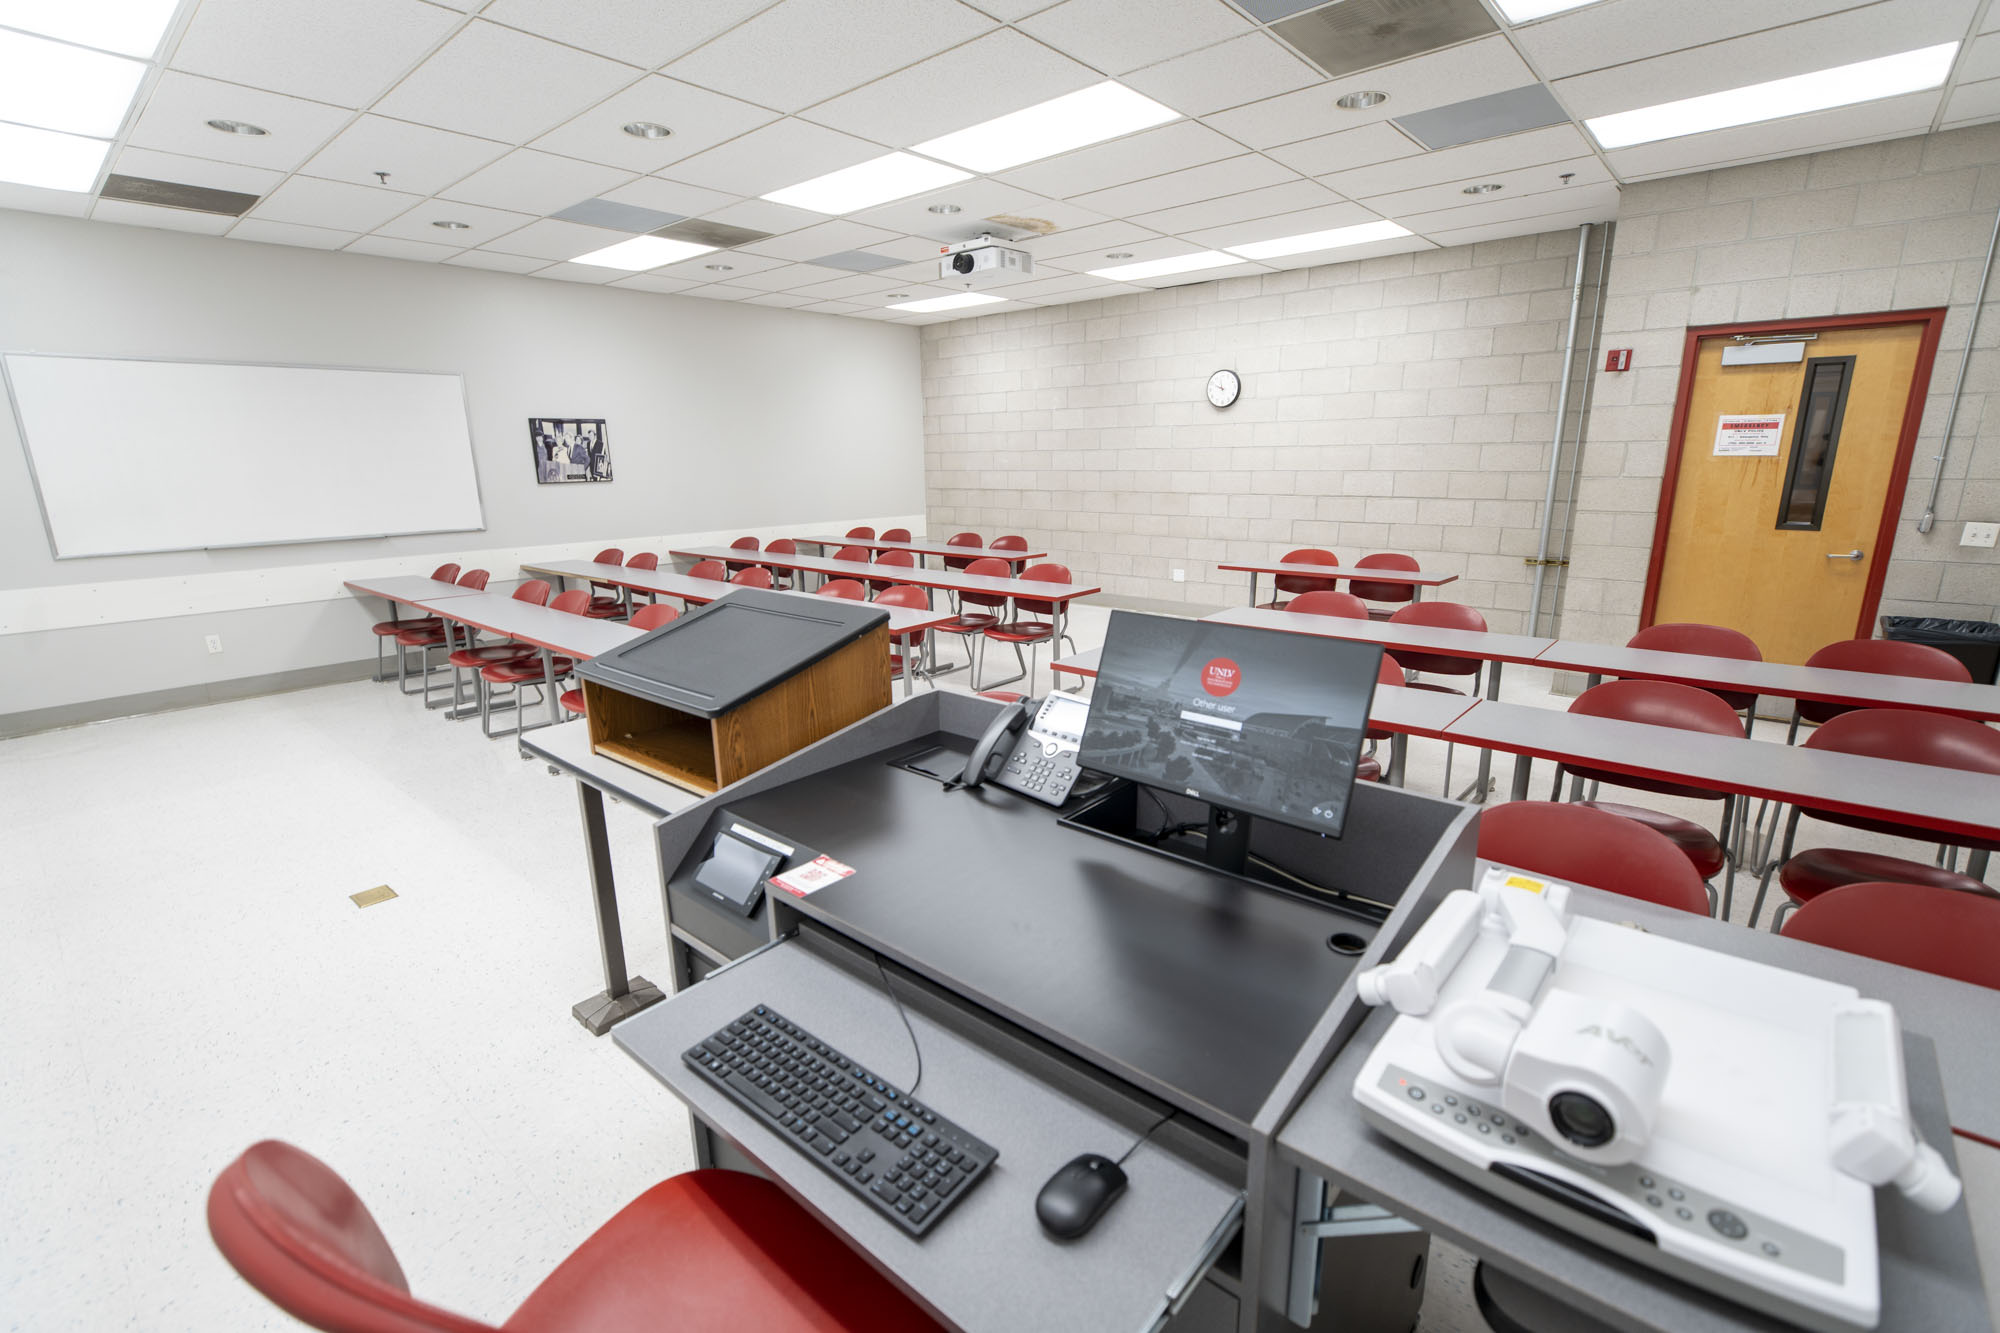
{"x": 1308, "y": 555}
{"x": 708, "y": 569}
{"x": 652, "y": 617}
{"x": 1391, "y": 673}
{"x": 447, "y": 573}
{"x": 754, "y": 577}
{"x": 895, "y": 534}
{"x": 1941, "y": 931}
{"x": 1439, "y": 615}
{"x": 1384, "y": 592}
{"x": 1707, "y": 640}
{"x": 1935, "y": 739}
{"x": 781, "y": 546}
{"x": 743, "y": 544}
{"x": 575, "y": 601}
{"x": 643, "y": 560}
{"x": 474, "y": 578}
{"x": 848, "y": 588}
{"x": 1326, "y": 603}
{"x": 1578, "y": 845}
{"x": 299, "y": 1235}
{"x": 1009, "y": 544}
{"x": 961, "y": 539}
{"x": 1657, "y": 703}
{"x": 859, "y": 553}
{"x": 1049, "y": 573}
{"x": 610, "y": 555}
{"x": 899, "y": 559}
{"x": 905, "y": 595}
{"x": 534, "y": 590}
{"x": 1880, "y": 657}
{"x": 861, "y": 534}
{"x": 988, "y": 567}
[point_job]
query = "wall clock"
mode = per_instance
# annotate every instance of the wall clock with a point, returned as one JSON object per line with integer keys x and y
{"x": 1224, "y": 386}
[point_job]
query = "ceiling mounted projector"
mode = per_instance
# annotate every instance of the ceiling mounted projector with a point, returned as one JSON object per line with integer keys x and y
{"x": 982, "y": 262}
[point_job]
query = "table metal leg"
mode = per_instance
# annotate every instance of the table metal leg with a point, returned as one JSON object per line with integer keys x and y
{"x": 1483, "y": 783}
{"x": 1590, "y": 682}
{"x": 549, "y": 685}
{"x": 1399, "y": 755}
{"x": 1253, "y": 587}
{"x": 622, "y": 996}
{"x": 1522, "y": 765}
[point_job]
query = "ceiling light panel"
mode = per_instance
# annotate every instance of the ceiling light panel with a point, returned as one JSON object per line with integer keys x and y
{"x": 641, "y": 252}
{"x": 129, "y": 27}
{"x": 891, "y": 176}
{"x": 1162, "y": 268}
{"x": 957, "y": 301}
{"x": 54, "y": 86}
{"x": 50, "y": 160}
{"x": 1074, "y": 120}
{"x": 1843, "y": 85}
{"x": 1333, "y": 239}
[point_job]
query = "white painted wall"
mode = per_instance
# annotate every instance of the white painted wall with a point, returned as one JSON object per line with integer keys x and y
{"x": 723, "y": 419}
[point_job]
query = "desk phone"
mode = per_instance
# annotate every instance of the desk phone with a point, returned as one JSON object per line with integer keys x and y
{"x": 1040, "y": 755}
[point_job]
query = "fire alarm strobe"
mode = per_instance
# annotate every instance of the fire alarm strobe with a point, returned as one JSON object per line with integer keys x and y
{"x": 983, "y": 261}
{"x": 1618, "y": 358}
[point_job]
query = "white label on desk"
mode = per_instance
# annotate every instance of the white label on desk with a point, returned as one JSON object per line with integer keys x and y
{"x": 813, "y": 876}
{"x": 1749, "y": 436}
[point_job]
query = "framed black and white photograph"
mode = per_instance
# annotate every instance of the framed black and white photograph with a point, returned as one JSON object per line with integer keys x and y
{"x": 569, "y": 449}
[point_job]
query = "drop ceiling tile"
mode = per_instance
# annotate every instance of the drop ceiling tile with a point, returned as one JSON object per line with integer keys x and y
{"x": 485, "y": 225}
{"x": 800, "y": 52}
{"x": 999, "y": 73}
{"x": 585, "y": 273}
{"x": 1972, "y": 102}
{"x": 290, "y": 233}
{"x": 977, "y": 200}
{"x": 780, "y": 154}
{"x": 1500, "y": 231}
{"x": 1482, "y": 161}
{"x": 34, "y": 199}
{"x": 499, "y": 263}
{"x": 347, "y": 53}
{"x": 704, "y": 268}
{"x": 1601, "y": 35}
{"x": 783, "y": 300}
{"x": 169, "y": 219}
{"x": 1270, "y": 227}
{"x": 1979, "y": 60}
{"x": 1136, "y": 252}
{"x": 526, "y": 181}
{"x": 689, "y": 201}
{"x": 416, "y": 157}
{"x": 652, "y": 282}
{"x": 1229, "y": 176}
{"x": 719, "y": 291}
{"x": 698, "y": 118}
{"x": 312, "y": 202}
{"x": 1530, "y": 107}
{"x": 157, "y": 166}
{"x": 1090, "y": 242}
{"x": 1838, "y": 39}
{"x": 647, "y": 33}
{"x": 831, "y": 308}
{"x": 395, "y": 247}
{"x": 1346, "y": 150}
{"x": 1890, "y": 118}
{"x": 1246, "y": 69}
{"x": 181, "y": 105}
{"x": 1350, "y": 254}
{"x": 763, "y": 215}
{"x": 860, "y": 284}
{"x": 501, "y": 84}
{"x": 553, "y": 239}
{"x": 614, "y": 216}
{"x": 1121, "y": 35}
{"x": 1539, "y": 180}
{"x": 1599, "y": 199}
{"x": 1286, "y": 197}
{"x": 824, "y": 239}
{"x": 1075, "y": 286}
{"x": 1433, "y": 79}
{"x": 1155, "y": 152}
{"x": 910, "y": 250}
{"x": 783, "y": 278}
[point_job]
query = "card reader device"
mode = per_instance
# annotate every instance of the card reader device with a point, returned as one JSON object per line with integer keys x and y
{"x": 739, "y": 860}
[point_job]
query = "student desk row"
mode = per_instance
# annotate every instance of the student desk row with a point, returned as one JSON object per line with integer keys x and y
{"x": 1415, "y": 579}
{"x": 922, "y": 550}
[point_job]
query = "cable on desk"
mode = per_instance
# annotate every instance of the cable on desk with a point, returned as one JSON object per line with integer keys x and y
{"x": 1143, "y": 1137}
{"x": 900, "y": 1013}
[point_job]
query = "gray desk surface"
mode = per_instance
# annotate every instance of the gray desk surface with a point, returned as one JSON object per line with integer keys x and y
{"x": 408, "y": 589}
{"x": 1480, "y": 645}
{"x": 1352, "y": 573}
{"x": 902, "y": 619}
{"x": 987, "y": 1266}
{"x": 568, "y": 748}
{"x": 1012, "y": 557}
{"x": 557, "y": 631}
{"x": 952, "y": 579}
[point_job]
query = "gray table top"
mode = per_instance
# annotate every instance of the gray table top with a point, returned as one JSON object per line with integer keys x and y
{"x": 953, "y": 579}
{"x": 929, "y": 548}
{"x": 1414, "y": 577}
{"x": 902, "y": 619}
{"x": 557, "y": 631}
{"x": 1482, "y": 645}
{"x": 408, "y": 589}
{"x": 568, "y": 748}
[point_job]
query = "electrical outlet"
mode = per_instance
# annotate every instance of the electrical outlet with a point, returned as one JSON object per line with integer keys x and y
{"x": 1180, "y": 575}
{"x": 1980, "y": 534}
{"x": 214, "y": 642}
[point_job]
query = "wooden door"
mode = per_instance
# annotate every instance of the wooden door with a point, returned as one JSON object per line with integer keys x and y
{"x": 1781, "y": 500}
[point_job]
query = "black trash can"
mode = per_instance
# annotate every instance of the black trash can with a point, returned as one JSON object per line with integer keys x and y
{"x": 1973, "y": 642}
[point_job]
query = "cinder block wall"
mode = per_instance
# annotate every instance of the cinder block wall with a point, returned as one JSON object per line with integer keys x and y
{"x": 1399, "y": 403}
{"x": 1901, "y": 225}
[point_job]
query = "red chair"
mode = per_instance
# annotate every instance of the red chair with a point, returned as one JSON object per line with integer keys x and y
{"x": 708, "y": 569}
{"x": 967, "y": 623}
{"x": 783, "y": 578}
{"x": 433, "y": 632}
{"x": 475, "y": 659}
{"x": 1370, "y": 591}
{"x": 1369, "y": 769}
{"x": 515, "y": 672}
{"x": 859, "y": 554}
{"x": 1297, "y": 584}
{"x": 1028, "y": 628}
{"x": 1954, "y": 935}
{"x": 1709, "y": 641}
{"x": 752, "y": 576}
{"x": 1581, "y": 845}
{"x": 1880, "y": 657}
{"x": 1440, "y": 615}
{"x": 386, "y": 630}
{"x": 904, "y": 595}
{"x": 894, "y": 559}
{"x": 642, "y": 560}
{"x": 741, "y": 544}
{"x": 703, "y": 1250}
{"x": 1008, "y": 543}
{"x": 1342, "y": 604}
{"x": 645, "y": 618}
{"x": 608, "y": 603}
{"x": 1662, "y": 703}
{"x": 971, "y": 539}
{"x": 895, "y": 534}
{"x": 847, "y": 588}
{"x": 861, "y": 534}
{"x": 1936, "y": 739}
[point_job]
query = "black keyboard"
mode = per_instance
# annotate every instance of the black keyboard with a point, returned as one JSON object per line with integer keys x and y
{"x": 904, "y": 1158}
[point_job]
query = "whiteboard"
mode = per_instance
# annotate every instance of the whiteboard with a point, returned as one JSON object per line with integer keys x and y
{"x": 133, "y": 456}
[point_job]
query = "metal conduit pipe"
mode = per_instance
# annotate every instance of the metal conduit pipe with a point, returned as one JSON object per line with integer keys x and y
{"x": 1555, "y": 445}
{"x": 1929, "y": 519}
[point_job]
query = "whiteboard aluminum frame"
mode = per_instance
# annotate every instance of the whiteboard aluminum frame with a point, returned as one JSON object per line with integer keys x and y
{"x": 41, "y": 502}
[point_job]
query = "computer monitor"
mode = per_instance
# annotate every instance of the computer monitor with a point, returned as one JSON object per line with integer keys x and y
{"x": 1255, "y": 722}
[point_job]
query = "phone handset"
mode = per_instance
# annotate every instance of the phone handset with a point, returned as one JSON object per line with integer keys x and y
{"x": 997, "y": 744}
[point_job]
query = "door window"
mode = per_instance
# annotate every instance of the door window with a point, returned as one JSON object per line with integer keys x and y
{"x": 1802, "y": 501}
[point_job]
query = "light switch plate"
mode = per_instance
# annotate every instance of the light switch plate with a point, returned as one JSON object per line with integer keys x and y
{"x": 1980, "y": 534}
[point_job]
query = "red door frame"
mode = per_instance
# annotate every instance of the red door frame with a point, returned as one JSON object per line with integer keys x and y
{"x": 1899, "y": 476}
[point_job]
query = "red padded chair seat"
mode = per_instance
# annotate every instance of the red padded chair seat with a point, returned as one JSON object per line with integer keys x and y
{"x": 524, "y": 669}
{"x": 1950, "y": 934}
{"x": 571, "y": 701}
{"x": 1701, "y": 847}
{"x": 1814, "y": 871}
{"x": 1021, "y": 631}
{"x": 1368, "y": 770}
{"x": 421, "y": 636}
{"x": 1426, "y": 685}
{"x": 605, "y": 608}
{"x": 716, "y": 1250}
{"x": 389, "y": 629}
{"x": 473, "y": 659}
{"x": 969, "y": 623}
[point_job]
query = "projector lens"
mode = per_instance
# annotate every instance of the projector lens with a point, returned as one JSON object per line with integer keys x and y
{"x": 961, "y": 263}
{"x": 1581, "y": 1119}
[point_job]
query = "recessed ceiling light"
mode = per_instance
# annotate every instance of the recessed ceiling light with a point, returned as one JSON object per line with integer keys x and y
{"x": 450, "y": 225}
{"x": 1160, "y": 268}
{"x": 1484, "y": 187}
{"x": 720, "y": 268}
{"x": 876, "y": 181}
{"x": 946, "y": 209}
{"x": 52, "y": 161}
{"x": 129, "y": 27}
{"x": 1520, "y": 11}
{"x": 897, "y": 296}
{"x": 54, "y": 86}
{"x": 238, "y": 127}
{"x": 1092, "y": 115}
{"x": 1361, "y": 101}
{"x": 955, "y": 302}
{"x": 1119, "y": 254}
{"x": 646, "y": 129}
{"x": 642, "y": 252}
{"x": 1334, "y": 239}
{"x": 1843, "y": 85}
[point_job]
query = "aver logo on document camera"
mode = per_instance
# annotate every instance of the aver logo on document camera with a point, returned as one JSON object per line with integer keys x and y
{"x": 1221, "y": 676}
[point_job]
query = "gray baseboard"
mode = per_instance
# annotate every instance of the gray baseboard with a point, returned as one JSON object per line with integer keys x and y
{"x": 184, "y": 696}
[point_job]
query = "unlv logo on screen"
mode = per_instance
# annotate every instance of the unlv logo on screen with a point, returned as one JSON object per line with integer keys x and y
{"x": 1221, "y": 676}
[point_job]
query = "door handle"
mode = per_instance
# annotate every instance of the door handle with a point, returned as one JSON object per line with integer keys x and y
{"x": 1854, "y": 554}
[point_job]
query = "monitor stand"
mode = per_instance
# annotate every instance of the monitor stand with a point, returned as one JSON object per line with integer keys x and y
{"x": 1227, "y": 844}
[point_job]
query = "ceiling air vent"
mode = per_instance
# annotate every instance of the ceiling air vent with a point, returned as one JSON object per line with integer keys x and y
{"x": 1361, "y": 34}
{"x": 718, "y": 234}
{"x": 173, "y": 194}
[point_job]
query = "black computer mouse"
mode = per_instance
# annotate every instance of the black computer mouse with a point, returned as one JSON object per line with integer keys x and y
{"x": 1078, "y": 1194}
